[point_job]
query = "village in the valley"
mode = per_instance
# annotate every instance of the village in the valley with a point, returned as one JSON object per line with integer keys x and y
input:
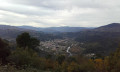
{"x": 61, "y": 46}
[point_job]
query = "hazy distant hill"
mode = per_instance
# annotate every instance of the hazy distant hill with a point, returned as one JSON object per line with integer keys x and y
{"x": 114, "y": 27}
{"x": 11, "y": 32}
{"x": 57, "y": 29}
{"x": 70, "y": 29}
{"x": 4, "y": 27}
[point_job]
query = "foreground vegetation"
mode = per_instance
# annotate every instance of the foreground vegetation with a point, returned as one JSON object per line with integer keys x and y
{"x": 25, "y": 58}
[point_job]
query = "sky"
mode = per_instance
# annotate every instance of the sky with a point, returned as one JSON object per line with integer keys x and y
{"x": 55, "y": 13}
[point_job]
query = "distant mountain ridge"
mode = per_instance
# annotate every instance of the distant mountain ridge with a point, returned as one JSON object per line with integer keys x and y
{"x": 57, "y": 29}
{"x": 4, "y": 27}
{"x": 11, "y": 32}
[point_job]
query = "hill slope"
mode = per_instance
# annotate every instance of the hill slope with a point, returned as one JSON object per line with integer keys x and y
{"x": 114, "y": 27}
{"x": 101, "y": 40}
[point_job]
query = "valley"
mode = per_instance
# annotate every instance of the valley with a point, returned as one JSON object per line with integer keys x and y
{"x": 102, "y": 40}
{"x": 61, "y": 46}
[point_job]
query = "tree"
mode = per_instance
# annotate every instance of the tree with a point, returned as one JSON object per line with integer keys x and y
{"x": 113, "y": 61}
{"x": 25, "y": 40}
{"x": 71, "y": 59}
{"x": 73, "y": 67}
{"x": 34, "y": 42}
{"x": 60, "y": 59}
{"x": 99, "y": 65}
{"x": 4, "y": 50}
{"x": 64, "y": 66}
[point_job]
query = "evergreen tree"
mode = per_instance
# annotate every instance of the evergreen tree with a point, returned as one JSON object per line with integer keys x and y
{"x": 25, "y": 40}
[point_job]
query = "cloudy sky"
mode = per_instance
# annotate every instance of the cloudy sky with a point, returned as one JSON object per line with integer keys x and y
{"x": 49, "y": 13}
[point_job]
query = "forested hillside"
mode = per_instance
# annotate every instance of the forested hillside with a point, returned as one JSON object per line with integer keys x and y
{"x": 102, "y": 40}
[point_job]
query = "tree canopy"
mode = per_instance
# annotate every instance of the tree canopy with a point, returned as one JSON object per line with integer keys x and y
{"x": 4, "y": 50}
{"x": 25, "y": 40}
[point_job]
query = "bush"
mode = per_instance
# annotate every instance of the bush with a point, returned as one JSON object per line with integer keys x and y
{"x": 25, "y": 58}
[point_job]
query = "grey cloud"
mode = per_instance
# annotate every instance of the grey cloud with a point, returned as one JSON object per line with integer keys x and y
{"x": 61, "y": 4}
{"x": 45, "y": 13}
